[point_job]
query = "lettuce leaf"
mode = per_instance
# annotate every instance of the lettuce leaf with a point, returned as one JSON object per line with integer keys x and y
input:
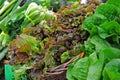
{"x": 69, "y": 75}
{"x": 91, "y": 21}
{"x": 114, "y": 2}
{"x": 88, "y": 68}
{"x": 91, "y": 68}
{"x": 109, "y": 53}
{"x": 103, "y": 61}
{"x": 95, "y": 69}
{"x": 110, "y": 30}
{"x": 112, "y": 70}
{"x": 99, "y": 43}
{"x": 108, "y": 10}
{"x": 80, "y": 69}
{"x": 24, "y": 48}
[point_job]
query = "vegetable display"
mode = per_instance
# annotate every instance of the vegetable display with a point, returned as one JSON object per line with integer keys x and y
{"x": 60, "y": 39}
{"x": 57, "y": 39}
{"x": 102, "y": 47}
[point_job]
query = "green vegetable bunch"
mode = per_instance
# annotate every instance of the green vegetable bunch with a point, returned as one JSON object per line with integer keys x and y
{"x": 57, "y": 42}
{"x": 102, "y": 60}
{"x": 35, "y": 14}
{"x": 7, "y": 9}
{"x": 4, "y": 41}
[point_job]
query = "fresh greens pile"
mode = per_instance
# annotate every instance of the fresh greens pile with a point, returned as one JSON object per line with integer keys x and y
{"x": 102, "y": 60}
{"x": 24, "y": 16}
{"x": 37, "y": 39}
{"x": 52, "y": 42}
{"x": 16, "y": 16}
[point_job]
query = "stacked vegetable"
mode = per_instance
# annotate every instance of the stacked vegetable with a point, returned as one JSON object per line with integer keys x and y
{"x": 24, "y": 16}
{"x": 38, "y": 40}
{"x": 50, "y": 43}
{"x": 102, "y": 60}
{"x": 11, "y": 25}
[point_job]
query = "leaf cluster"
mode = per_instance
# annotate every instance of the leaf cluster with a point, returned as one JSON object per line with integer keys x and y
{"x": 56, "y": 42}
{"x": 102, "y": 47}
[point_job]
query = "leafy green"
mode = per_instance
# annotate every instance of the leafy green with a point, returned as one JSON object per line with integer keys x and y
{"x": 79, "y": 72}
{"x": 88, "y": 68}
{"x": 19, "y": 72}
{"x": 111, "y": 70}
{"x": 110, "y": 29}
{"x": 95, "y": 69}
{"x": 45, "y": 43}
{"x": 99, "y": 43}
{"x": 108, "y": 10}
{"x": 3, "y": 53}
{"x": 114, "y": 2}
{"x": 27, "y": 48}
{"x": 94, "y": 20}
{"x": 69, "y": 70}
{"x": 102, "y": 47}
{"x": 94, "y": 65}
{"x": 109, "y": 53}
{"x": 2, "y": 3}
{"x": 35, "y": 14}
{"x": 95, "y": 43}
{"x": 65, "y": 56}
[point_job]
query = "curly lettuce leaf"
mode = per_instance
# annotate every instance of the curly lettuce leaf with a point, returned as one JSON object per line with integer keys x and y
{"x": 24, "y": 48}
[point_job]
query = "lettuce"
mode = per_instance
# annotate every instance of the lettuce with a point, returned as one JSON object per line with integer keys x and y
{"x": 108, "y": 10}
{"x": 94, "y": 20}
{"x": 114, "y": 2}
{"x": 102, "y": 59}
{"x": 111, "y": 70}
{"x": 91, "y": 67}
{"x": 88, "y": 68}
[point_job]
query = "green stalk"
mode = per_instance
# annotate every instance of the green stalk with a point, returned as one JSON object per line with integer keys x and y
{"x": 25, "y": 24}
{"x": 7, "y": 7}
{"x": 1, "y": 47}
{"x": 1, "y": 37}
{"x": 1, "y": 3}
{"x": 6, "y": 13}
{"x": 3, "y": 53}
